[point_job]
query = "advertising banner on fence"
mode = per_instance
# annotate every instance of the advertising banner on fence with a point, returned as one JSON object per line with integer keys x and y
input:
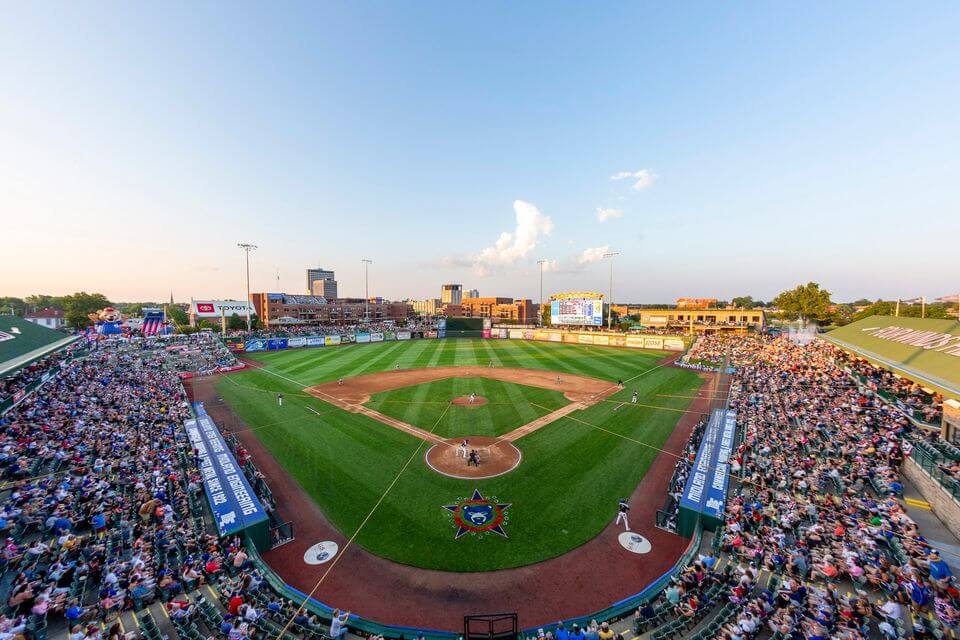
{"x": 441, "y": 327}
{"x": 403, "y": 335}
{"x": 429, "y": 334}
{"x": 485, "y": 333}
{"x": 234, "y": 504}
{"x": 389, "y": 335}
{"x": 331, "y": 340}
{"x": 348, "y": 337}
{"x": 234, "y": 344}
{"x": 315, "y": 341}
{"x": 705, "y": 492}
{"x": 256, "y": 344}
{"x": 503, "y": 333}
{"x": 601, "y": 339}
{"x": 362, "y": 337}
{"x": 634, "y": 342}
{"x": 376, "y": 337}
{"x": 618, "y": 341}
{"x": 653, "y": 343}
{"x": 528, "y": 334}
{"x": 274, "y": 344}
{"x": 584, "y": 338}
{"x": 515, "y": 334}
{"x": 673, "y": 344}
{"x": 296, "y": 342}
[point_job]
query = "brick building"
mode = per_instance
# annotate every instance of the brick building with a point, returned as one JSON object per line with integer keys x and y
{"x": 519, "y": 311}
{"x": 282, "y": 308}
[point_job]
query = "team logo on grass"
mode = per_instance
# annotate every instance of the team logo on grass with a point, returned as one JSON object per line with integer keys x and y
{"x": 479, "y": 515}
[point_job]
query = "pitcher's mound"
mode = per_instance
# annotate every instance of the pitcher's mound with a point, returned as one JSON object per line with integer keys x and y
{"x": 497, "y": 457}
{"x": 464, "y": 401}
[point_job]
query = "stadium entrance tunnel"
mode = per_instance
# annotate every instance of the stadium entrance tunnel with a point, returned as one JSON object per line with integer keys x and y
{"x": 493, "y": 457}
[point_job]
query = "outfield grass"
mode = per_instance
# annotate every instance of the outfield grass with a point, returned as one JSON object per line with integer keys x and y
{"x": 426, "y": 405}
{"x": 563, "y": 493}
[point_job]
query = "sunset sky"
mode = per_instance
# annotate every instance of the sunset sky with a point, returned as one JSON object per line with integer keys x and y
{"x": 723, "y": 148}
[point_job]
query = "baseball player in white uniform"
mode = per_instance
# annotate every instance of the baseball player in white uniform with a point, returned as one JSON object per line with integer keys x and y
{"x": 622, "y": 509}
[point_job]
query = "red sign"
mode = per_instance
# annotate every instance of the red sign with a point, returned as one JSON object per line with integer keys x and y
{"x": 204, "y": 307}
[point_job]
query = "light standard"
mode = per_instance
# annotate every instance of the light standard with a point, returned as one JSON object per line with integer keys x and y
{"x": 366, "y": 287}
{"x": 541, "y": 263}
{"x": 610, "y": 255}
{"x": 247, "y": 248}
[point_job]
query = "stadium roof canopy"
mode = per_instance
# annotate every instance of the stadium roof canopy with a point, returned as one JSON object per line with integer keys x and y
{"x": 923, "y": 350}
{"x": 22, "y": 342}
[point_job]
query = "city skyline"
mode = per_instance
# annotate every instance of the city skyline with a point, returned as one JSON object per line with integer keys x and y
{"x": 724, "y": 151}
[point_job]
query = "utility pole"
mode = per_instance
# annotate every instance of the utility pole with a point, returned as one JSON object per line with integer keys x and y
{"x": 541, "y": 263}
{"x": 366, "y": 287}
{"x": 610, "y": 255}
{"x": 247, "y": 248}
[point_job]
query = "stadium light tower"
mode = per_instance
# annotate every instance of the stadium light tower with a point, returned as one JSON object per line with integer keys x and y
{"x": 247, "y": 248}
{"x": 366, "y": 287}
{"x": 541, "y": 263}
{"x": 610, "y": 254}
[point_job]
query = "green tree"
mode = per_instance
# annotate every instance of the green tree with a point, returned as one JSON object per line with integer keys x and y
{"x": 743, "y": 302}
{"x": 237, "y": 322}
{"x": 79, "y": 305}
{"x": 11, "y": 305}
{"x": 545, "y": 314}
{"x": 807, "y": 301}
{"x": 177, "y": 315}
{"x": 42, "y": 301}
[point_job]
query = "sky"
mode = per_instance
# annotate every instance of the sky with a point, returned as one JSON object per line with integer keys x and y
{"x": 722, "y": 149}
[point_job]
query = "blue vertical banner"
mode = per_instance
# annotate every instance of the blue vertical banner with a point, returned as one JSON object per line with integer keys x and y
{"x": 442, "y": 328}
{"x": 705, "y": 492}
{"x": 234, "y": 505}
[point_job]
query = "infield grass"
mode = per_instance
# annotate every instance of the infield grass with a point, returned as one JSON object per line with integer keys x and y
{"x": 509, "y": 405}
{"x": 563, "y": 493}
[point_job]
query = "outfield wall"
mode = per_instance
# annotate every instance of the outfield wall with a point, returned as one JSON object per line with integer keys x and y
{"x": 596, "y": 338}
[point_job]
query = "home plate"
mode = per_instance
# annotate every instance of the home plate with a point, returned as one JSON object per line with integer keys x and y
{"x": 634, "y": 542}
{"x": 322, "y": 552}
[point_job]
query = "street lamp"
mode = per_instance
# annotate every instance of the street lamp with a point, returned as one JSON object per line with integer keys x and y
{"x": 366, "y": 287}
{"x": 610, "y": 255}
{"x": 247, "y": 248}
{"x": 541, "y": 263}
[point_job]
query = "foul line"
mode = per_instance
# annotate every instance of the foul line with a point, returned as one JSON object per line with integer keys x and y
{"x": 343, "y": 551}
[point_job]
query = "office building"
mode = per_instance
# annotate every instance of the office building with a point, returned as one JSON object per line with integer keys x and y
{"x": 451, "y": 293}
{"x": 321, "y": 282}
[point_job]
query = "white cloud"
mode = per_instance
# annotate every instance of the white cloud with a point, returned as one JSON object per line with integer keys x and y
{"x": 605, "y": 214}
{"x": 641, "y": 179}
{"x": 551, "y": 266}
{"x": 593, "y": 254}
{"x": 511, "y": 247}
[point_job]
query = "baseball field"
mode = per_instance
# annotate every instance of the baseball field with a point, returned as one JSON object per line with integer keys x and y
{"x": 557, "y": 440}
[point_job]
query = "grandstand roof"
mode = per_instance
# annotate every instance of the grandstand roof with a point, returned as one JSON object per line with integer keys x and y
{"x": 924, "y": 350}
{"x": 22, "y": 342}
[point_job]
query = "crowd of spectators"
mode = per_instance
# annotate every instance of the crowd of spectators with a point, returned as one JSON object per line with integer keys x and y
{"x": 818, "y": 470}
{"x": 908, "y": 395}
{"x": 22, "y": 378}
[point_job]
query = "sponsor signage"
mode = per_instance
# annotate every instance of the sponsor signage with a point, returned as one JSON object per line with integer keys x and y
{"x": 315, "y": 341}
{"x": 673, "y": 344}
{"x": 947, "y": 343}
{"x": 234, "y": 504}
{"x": 403, "y": 335}
{"x": 275, "y": 344}
{"x": 296, "y": 342}
{"x": 515, "y": 334}
{"x": 376, "y": 336}
{"x": 331, "y": 340}
{"x": 578, "y": 311}
{"x": 234, "y": 344}
{"x": 362, "y": 337}
{"x": 217, "y": 308}
{"x": 653, "y": 343}
{"x": 485, "y": 333}
{"x": 256, "y": 344}
{"x": 389, "y": 335}
{"x": 601, "y": 339}
{"x": 706, "y": 489}
{"x": 441, "y": 327}
{"x": 634, "y": 342}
